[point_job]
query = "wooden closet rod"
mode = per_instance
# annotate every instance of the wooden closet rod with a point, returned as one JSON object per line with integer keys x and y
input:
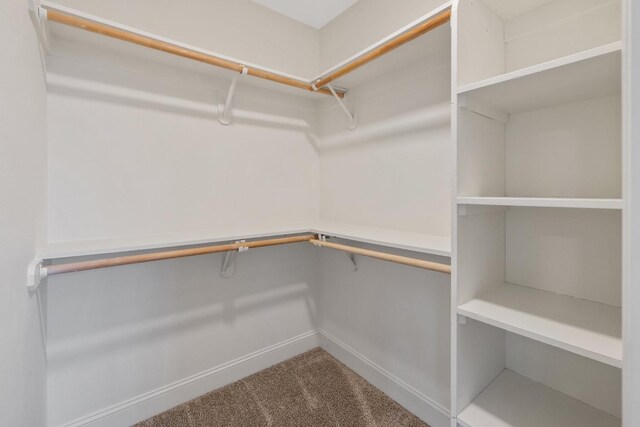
{"x": 387, "y": 47}
{"x": 161, "y": 45}
{"x": 414, "y": 262}
{"x": 158, "y": 256}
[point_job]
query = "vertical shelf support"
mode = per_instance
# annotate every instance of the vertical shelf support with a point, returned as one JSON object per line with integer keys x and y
{"x": 223, "y": 111}
{"x": 229, "y": 261}
{"x": 350, "y": 115}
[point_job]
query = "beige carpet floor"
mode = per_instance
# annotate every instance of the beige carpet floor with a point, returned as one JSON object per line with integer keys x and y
{"x": 312, "y": 389}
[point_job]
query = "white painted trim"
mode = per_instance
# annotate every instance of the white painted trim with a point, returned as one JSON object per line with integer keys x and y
{"x": 156, "y": 401}
{"x": 413, "y": 400}
{"x": 148, "y": 404}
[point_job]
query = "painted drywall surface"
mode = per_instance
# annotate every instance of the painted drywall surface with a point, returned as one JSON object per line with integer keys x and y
{"x": 365, "y": 23}
{"x": 136, "y": 149}
{"x": 396, "y": 316}
{"x": 397, "y": 177}
{"x": 116, "y": 334}
{"x": 146, "y": 155}
{"x": 238, "y": 28}
{"x": 22, "y": 196}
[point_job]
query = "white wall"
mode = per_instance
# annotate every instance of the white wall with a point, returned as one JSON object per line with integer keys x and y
{"x": 22, "y": 196}
{"x": 238, "y": 28}
{"x": 366, "y": 22}
{"x": 123, "y": 336}
{"x": 393, "y": 171}
{"x": 396, "y": 316}
{"x": 136, "y": 149}
{"x": 137, "y": 162}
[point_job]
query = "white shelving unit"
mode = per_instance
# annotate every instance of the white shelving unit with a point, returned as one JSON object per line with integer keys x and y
{"x": 538, "y": 229}
{"x": 513, "y": 400}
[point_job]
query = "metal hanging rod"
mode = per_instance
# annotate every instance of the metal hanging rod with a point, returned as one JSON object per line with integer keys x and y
{"x": 414, "y": 262}
{"x": 384, "y": 48}
{"x": 49, "y": 13}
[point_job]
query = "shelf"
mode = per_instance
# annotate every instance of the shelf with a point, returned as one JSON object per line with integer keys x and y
{"x": 584, "y": 327}
{"x": 589, "y": 74}
{"x": 437, "y": 41}
{"x": 514, "y": 400}
{"x": 160, "y": 241}
{"x": 424, "y": 243}
{"x": 542, "y": 202}
{"x": 70, "y": 42}
{"x": 435, "y": 245}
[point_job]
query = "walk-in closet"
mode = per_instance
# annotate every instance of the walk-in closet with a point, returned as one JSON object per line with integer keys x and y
{"x": 347, "y": 213}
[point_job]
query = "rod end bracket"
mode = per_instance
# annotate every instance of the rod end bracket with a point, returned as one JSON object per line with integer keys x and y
{"x": 36, "y": 273}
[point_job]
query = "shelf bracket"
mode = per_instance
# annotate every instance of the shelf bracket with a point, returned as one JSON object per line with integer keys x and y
{"x": 354, "y": 260}
{"x": 38, "y": 16}
{"x": 229, "y": 261}
{"x": 471, "y": 104}
{"x": 223, "y": 110}
{"x": 350, "y": 115}
{"x": 351, "y": 256}
{"x": 36, "y": 273}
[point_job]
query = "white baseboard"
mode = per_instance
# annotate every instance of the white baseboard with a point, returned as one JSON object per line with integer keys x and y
{"x": 163, "y": 398}
{"x": 159, "y": 400}
{"x": 419, "y": 404}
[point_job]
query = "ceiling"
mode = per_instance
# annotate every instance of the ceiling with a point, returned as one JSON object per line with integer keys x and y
{"x": 310, "y": 12}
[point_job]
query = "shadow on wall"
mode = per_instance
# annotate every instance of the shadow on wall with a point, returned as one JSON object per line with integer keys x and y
{"x": 96, "y": 313}
{"x": 201, "y": 97}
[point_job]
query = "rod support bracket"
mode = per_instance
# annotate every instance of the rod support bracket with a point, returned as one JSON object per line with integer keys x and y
{"x": 223, "y": 110}
{"x": 354, "y": 260}
{"x": 36, "y": 273}
{"x": 351, "y": 116}
{"x": 229, "y": 261}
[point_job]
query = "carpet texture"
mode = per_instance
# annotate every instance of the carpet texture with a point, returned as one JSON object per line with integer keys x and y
{"x": 312, "y": 389}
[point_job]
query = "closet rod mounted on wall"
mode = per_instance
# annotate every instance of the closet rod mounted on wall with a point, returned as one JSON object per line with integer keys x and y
{"x": 413, "y": 262}
{"x": 39, "y": 272}
{"x": 387, "y": 47}
{"x": 158, "y": 256}
{"x": 50, "y": 13}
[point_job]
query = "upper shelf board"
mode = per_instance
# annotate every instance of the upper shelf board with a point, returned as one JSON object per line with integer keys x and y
{"x": 70, "y": 42}
{"x": 416, "y": 242}
{"x": 514, "y": 400}
{"x": 589, "y": 74}
{"x": 435, "y": 245}
{"x": 423, "y": 47}
{"x": 584, "y": 327}
{"x": 66, "y": 41}
{"x": 543, "y": 202}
